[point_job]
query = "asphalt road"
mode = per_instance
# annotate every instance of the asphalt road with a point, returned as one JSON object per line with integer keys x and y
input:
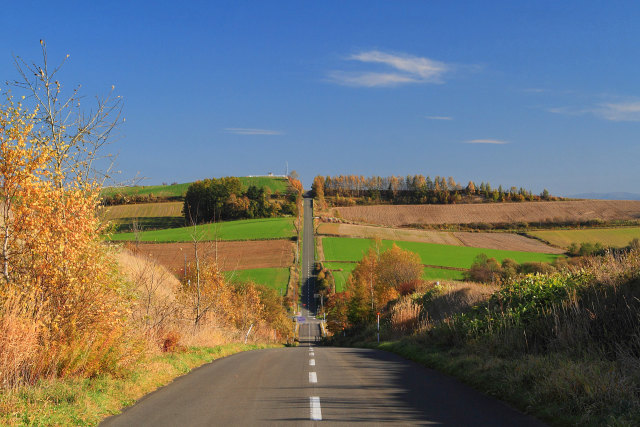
{"x": 308, "y": 385}
{"x": 308, "y": 308}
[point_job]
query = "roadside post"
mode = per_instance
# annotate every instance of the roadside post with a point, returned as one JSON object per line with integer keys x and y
{"x": 378, "y": 327}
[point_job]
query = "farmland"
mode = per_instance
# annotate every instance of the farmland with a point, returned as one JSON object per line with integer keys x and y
{"x": 342, "y": 270}
{"x": 275, "y": 278}
{"x": 492, "y": 213}
{"x": 149, "y": 215}
{"x": 506, "y": 241}
{"x": 248, "y": 229}
{"x": 175, "y": 191}
{"x": 251, "y": 254}
{"x": 431, "y": 254}
{"x": 616, "y": 237}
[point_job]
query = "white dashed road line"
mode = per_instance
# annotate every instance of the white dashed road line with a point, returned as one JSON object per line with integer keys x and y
{"x": 316, "y": 412}
{"x": 313, "y": 378}
{"x": 312, "y": 362}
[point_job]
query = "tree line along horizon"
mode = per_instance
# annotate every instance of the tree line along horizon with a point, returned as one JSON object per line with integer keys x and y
{"x": 345, "y": 190}
{"x": 226, "y": 198}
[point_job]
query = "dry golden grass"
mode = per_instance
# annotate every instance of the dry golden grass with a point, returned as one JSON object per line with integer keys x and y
{"x": 456, "y": 297}
{"x": 504, "y": 241}
{"x": 405, "y": 315}
{"x": 580, "y": 210}
{"x": 19, "y": 343}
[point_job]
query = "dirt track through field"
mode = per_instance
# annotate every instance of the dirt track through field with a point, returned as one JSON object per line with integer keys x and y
{"x": 231, "y": 255}
{"x": 579, "y": 210}
{"x": 504, "y": 241}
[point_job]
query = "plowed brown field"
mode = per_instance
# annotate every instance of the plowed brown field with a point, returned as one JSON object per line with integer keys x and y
{"x": 580, "y": 210}
{"x": 505, "y": 241}
{"x": 231, "y": 255}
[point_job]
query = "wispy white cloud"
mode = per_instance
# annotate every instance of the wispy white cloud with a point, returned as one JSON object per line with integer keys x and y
{"x": 249, "y": 131}
{"x": 619, "y": 112}
{"x": 613, "y": 111}
{"x": 535, "y": 90}
{"x": 439, "y": 117}
{"x": 405, "y": 69}
{"x": 369, "y": 79}
{"x": 486, "y": 141}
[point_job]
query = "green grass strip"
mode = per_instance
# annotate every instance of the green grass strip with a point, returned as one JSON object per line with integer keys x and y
{"x": 275, "y": 278}
{"x": 246, "y": 229}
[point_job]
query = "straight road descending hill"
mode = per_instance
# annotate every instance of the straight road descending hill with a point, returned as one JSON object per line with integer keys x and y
{"x": 309, "y": 331}
{"x": 308, "y": 260}
{"x": 305, "y": 385}
{"x": 308, "y": 385}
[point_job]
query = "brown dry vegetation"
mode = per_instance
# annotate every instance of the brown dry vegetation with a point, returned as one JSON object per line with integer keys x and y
{"x": 230, "y": 255}
{"x": 142, "y": 210}
{"x": 492, "y": 213}
{"x": 504, "y": 241}
{"x": 161, "y": 315}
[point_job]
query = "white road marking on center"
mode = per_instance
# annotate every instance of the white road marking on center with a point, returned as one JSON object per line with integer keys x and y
{"x": 312, "y": 362}
{"x": 313, "y": 378}
{"x": 316, "y": 412}
{"x": 311, "y": 354}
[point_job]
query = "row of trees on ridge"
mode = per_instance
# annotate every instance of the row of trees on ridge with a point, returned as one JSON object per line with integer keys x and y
{"x": 413, "y": 189}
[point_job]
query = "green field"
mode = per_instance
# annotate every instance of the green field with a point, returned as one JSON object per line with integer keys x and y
{"x": 617, "y": 237}
{"x": 245, "y": 229}
{"x": 340, "y": 277}
{"x": 275, "y": 278}
{"x": 429, "y": 273}
{"x": 351, "y": 249}
{"x": 275, "y": 184}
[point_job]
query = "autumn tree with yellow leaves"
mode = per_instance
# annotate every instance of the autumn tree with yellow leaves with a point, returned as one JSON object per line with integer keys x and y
{"x": 379, "y": 278}
{"x": 59, "y": 282}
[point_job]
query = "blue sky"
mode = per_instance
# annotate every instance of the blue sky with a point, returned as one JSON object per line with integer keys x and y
{"x": 540, "y": 94}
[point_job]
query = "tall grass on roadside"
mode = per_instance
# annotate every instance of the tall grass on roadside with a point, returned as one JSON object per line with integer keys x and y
{"x": 596, "y": 309}
{"x": 565, "y": 346}
{"x": 19, "y": 343}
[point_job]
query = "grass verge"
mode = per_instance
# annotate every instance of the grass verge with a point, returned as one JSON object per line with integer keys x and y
{"x": 81, "y": 401}
{"x": 557, "y": 388}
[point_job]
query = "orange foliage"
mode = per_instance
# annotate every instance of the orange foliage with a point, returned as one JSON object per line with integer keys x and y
{"x": 53, "y": 262}
{"x": 378, "y": 279}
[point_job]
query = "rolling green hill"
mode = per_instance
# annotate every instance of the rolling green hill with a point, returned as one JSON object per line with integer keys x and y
{"x": 275, "y": 184}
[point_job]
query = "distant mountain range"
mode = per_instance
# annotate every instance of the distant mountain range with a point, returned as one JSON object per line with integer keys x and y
{"x": 607, "y": 196}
